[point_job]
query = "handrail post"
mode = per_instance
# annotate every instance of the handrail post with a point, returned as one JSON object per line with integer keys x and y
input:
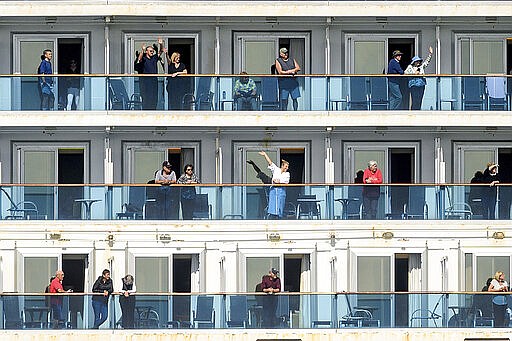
{"x": 108, "y": 202}
{"x": 441, "y": 202}
{"x": 330, "y": 202}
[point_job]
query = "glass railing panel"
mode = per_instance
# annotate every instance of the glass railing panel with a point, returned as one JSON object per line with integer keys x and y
{"x": 249, "y": 311}
{"x": 251, "y": 202}
{"x": 232, "y": 93}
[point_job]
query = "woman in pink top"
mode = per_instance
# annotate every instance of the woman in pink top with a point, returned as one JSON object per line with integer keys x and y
{"x": 372, "y": 175}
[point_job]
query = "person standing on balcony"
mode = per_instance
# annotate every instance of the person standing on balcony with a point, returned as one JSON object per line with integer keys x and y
{"x": 288, "y": 86}
{"x": 499, "y": 302}
{"x": 56, "y": 302}
{"x": 188, "y": 193}
{"x": 490, "y": 192}
{"x": 372, "y": 175}
{"x": 270, "y": 284}
{"x": 277, "y": 194}
{"x": 394, "y": 68}
{"x": 104, "y": 286}
{"x": 417, "y": 84}
{"x": 176, "y": 85}
{"x": 127, "y": 302}
{"x": 147, "y": 63}
{"x": 46, "y": 83}
{"x": 73, "y": 86}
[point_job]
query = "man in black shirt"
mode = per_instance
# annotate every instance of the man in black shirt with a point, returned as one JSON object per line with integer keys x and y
{"x": 147, "y": 63}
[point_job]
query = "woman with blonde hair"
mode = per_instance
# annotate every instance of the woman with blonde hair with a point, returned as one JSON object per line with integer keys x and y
{"x": 499, "y": 302}
{"x": 176, "y": 86}
{"x": 277, "y": 194}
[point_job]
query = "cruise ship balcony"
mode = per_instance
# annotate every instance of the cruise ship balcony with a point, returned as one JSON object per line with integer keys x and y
{"x": 249, "y": 202}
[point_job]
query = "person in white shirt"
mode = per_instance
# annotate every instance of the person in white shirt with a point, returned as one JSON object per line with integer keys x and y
{"x": 499, "y": 302}
{"x": 277, "y": 194}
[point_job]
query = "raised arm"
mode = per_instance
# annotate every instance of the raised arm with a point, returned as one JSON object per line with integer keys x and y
{"x": 262, "y": 153}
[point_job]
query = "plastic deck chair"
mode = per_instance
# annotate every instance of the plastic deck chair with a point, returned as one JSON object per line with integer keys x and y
{"x": 237, "y": 314}
{"x": 426, "y": 314}
{"x": 203, "y": 97}
{"x": 202, "y": 209}
{"x": 204, "y": 315}
{"x": 358, "y": 98}
{"x": 13, "y": 317}
{"x": 355, "y": 208}
{"x": 496, "y": 89}
{"x": 416, "y": 207}
{"x": 357, "y": 317}
{"x": 379, "y": 93}
{"x": 119, "y": 99}
{"x": 473, "y": 96}
{"x": 269, "y": 94}
{"x": 308, "y": 210}
{"x": 22, "y": 209}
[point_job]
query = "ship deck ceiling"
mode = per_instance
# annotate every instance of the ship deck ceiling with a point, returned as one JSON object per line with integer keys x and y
{"x": 382, "y": 119}
{"x": 255, "y": 8}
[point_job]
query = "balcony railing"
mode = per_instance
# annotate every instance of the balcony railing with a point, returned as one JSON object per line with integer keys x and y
{"x": 217, "y": 93}
{"x": 256, "y": 311}
{"x": 250, "y": 202}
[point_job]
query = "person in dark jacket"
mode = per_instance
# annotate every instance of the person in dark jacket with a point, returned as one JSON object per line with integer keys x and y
{"x": 127, "y": 301}
{"x": 104, "y": 286}
{"x": 490, "y": 192}
{"x": 46, "y": 83}
{"x": 395, "y": 95}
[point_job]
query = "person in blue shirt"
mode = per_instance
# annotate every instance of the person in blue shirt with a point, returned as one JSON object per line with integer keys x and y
{"x": 46, "y": 83}
{"x": 395, "y": 95}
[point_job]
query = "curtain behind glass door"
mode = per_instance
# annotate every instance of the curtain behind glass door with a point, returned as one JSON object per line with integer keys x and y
{"x": 39, "y": 168}
{"x": 369, "y": 57}
{"x": 259, "y": 56}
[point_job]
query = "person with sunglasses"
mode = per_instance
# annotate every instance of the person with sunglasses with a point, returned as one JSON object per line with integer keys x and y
{"x": 188, "y": 193}
{"x": 147, "y": 63}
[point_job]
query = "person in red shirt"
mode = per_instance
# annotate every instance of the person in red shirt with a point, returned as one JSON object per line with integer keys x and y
{"x": 270, "y": 284}
{"x": 372, "y": 175}
{"x": 56, "y": 302}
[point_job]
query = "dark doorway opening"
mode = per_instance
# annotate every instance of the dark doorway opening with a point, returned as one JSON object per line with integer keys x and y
{"x": 401, "y": 171}
{"x": 505, "y": 172}
{"x": 296, "y": 158}
{"x": 292, "y": 273}
{"x": 70, "y": 171}
{"x": 186, "y": 48}
{"x": 69, "y": 49}
{"x": 74, "y": 266}
{"x": 401, "y": 285}
{"x": 174, "y": 157}
{"x": 181, "y": 283}
{"x": 406, "y": 46}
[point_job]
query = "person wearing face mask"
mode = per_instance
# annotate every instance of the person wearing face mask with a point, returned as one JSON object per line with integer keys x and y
{"x": 277, "y": 194}
{"x": 490, "y": 191}
{"x": 417, "y": 84}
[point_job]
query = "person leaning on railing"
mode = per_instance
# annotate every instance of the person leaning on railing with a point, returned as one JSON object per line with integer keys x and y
{"x": 499, "y": 302}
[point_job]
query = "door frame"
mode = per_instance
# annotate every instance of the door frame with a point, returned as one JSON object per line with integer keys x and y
{"x": 351, "y": 37}
{"x": 19, "y": 37}
{"x": 459, "y": 37}
{"x": 129, "y": 48}
{"x": 240, "y": 37}
{"x": 130, "y": 146}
